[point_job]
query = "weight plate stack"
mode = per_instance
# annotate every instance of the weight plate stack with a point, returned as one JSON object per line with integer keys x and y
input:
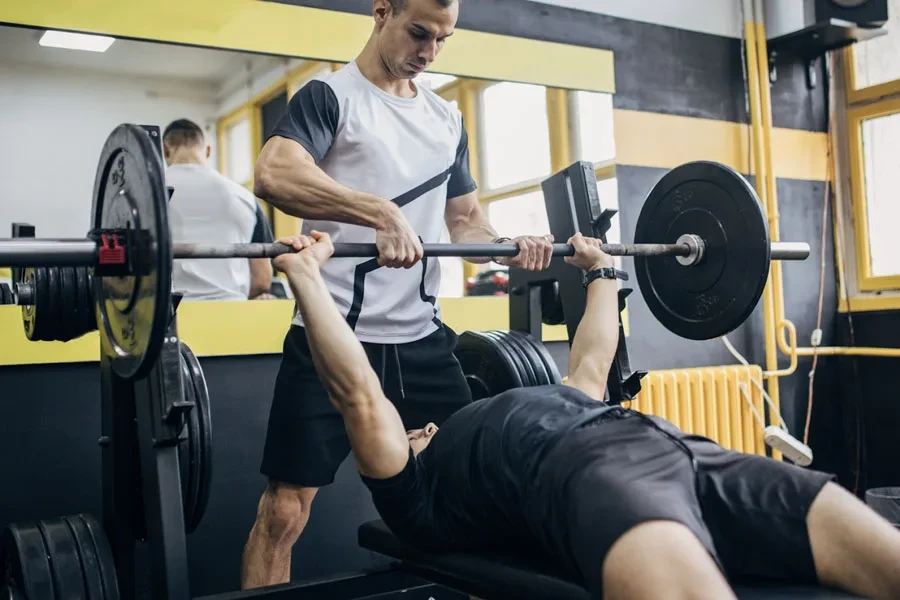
{"x": 67, "y": 557}
{"x": 195, "y": 450}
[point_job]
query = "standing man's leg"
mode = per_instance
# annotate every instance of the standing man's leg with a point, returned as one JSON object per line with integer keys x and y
{"x": 305, "y": 444}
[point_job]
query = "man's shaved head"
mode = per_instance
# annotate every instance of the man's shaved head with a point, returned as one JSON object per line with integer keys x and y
{"x": 400, "y": 5}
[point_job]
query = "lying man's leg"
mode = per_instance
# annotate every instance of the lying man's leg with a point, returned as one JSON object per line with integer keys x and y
{"x": 662, "y": 559}
{"x": 773, "y": 520}
{"x": 853, "y": 547}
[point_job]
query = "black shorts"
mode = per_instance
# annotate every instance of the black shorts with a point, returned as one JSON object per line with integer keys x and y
{"x": 749, "y": 511}
{"x": 306, "y": 441}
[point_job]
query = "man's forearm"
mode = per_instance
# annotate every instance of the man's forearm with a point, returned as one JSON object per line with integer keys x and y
{"x": 597, "y": 338}
{"x": 338, "y": 356}
{"x": 473, "y": 231}
{"x": 307, "y": 192}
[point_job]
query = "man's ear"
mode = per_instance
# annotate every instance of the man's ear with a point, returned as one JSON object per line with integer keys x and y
{"x": 208, "y": 151}
{"x": 166, "y": 150}
{"x": 381, "y": 9}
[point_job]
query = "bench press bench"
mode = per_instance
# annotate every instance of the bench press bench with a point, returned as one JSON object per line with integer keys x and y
{"x": 502, "y": 577}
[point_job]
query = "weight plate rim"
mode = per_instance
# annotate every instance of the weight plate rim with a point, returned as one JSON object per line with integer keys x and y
{"x": 90, "y": 564}
{"x": 538, "y": 350}
{"x": 524, "y": 358}
{"x": 17, "y": 534}
{"x": 554, "y": 376}
{"x": 204, "y": 412}
{"x": 675, "y": 323}
{"x": 127, "y": 136}
{"x": 105, "y": 562}
{"x": 470, "y": 354}
{"x": 191, "y": 449}
{"x": 509, "y": 356}
{"x": 50, "y": 530}
{"x": 519, "y": 365}
{"x": 69, "y": 295}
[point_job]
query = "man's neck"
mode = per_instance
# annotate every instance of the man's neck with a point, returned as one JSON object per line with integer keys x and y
{"x": 372, "y": 68}
{"x": 186, "y": 158}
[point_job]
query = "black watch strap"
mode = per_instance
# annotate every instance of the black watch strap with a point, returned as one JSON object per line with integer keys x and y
{"x": 604, "y": 273}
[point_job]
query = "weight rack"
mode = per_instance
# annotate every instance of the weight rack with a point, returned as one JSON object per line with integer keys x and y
{"x": 573, "y": 205}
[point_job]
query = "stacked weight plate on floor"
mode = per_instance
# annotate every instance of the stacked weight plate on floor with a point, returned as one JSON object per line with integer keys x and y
{"x": 496, "y": 361}
{"x": 61, "y": 306}
{"x": 54, "y": 559}
{"x": 195, "y": 449}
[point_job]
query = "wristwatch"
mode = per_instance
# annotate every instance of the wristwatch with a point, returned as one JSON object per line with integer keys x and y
{"x": 604, "y": 273}
{"x": 499, "y": 240}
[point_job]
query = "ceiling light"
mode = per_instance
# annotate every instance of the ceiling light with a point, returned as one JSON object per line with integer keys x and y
{"x": 76, "y": 41}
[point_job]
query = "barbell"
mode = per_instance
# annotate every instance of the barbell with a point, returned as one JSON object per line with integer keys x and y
{"x": 701, "y": 250}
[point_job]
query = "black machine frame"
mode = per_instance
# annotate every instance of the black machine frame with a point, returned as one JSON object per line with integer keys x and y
{"x": 573, "y": 205}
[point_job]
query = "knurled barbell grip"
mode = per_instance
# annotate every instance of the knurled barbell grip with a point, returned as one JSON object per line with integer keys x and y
{"x": 342, "y": 250}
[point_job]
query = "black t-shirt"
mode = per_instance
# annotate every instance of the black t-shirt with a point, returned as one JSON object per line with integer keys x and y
{"x": 470, "y": 485}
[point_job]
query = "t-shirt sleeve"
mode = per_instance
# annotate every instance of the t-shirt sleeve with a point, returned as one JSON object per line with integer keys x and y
{"x": 401, "y": 500}
{"x": 312, "y": 118}
{"x": 461, "y": 182}
{"x": 262, "y": 232}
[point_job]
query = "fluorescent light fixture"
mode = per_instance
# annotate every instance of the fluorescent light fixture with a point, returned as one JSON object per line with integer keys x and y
{"x": 76, "y": 41}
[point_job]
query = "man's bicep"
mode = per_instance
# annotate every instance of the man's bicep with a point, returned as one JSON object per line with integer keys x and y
{"x": 377, "y": 437}
{"x": 311, "y": 119}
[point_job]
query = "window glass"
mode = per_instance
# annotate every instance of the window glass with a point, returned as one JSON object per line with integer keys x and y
{"x": 593, "y": 123}
{"x": 881, "y": 151}
{"x": 515, "y": 135}
{"x": 239, "y": 161}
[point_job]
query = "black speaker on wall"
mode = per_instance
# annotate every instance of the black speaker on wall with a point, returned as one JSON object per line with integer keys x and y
{"x": 865, "y": 13}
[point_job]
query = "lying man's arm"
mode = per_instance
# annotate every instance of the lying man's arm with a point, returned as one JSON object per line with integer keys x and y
{"x": 373, "y": 424}
{"x": 597, "y": 338}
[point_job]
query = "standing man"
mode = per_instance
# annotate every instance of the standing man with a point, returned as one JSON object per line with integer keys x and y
{"x": 368, "y": 156}
{"x": 208, "y": 208}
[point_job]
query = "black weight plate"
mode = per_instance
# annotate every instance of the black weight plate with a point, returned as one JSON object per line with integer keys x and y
{"x": 485, "y": 365}
{"x": 10, "y": 593}
{"x": 69, "y": 309}
{"x": 6, "y": 295}
{"x": 203, "y": 411}
{"x": 91, "y": 323}
{"x": 85, "y": 307}
{"x": 530, "y": 378}
{"x": 65, "y": 562}
{"x": 56, "y": 328}
{"x": 93, "y": 581}
{"x": 23, "y": 562}
{"x": 551, "y": 305}
{"x": 130, "y": 194}
{"x": 714, "y": 297}
{"x": 526, "y": 374}
{"x": 105, "y": 562}
{"x": 552, "y": 370}
{"x": 542, "y": 377}
{"x": 189, "y": 451}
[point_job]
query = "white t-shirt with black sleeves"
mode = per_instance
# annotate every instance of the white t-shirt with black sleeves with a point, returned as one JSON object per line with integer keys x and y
{"x": 412, "y": 151}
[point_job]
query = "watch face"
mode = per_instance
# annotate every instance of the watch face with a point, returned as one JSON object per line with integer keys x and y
{"x": 849, "y": 3}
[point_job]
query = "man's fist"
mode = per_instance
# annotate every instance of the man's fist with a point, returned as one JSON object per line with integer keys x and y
{"x": 588, "y": 254}
{"x": 316, "y": 248}
{"x": 535, "y": 252}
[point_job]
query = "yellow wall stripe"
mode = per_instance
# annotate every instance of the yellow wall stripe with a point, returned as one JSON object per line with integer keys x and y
{"x": 276, "y": 28}
{"x": 649, "y": 139}
{"x": 237, "y": 328}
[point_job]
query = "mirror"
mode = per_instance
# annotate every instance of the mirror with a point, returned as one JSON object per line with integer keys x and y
{"x": 57, "y": 106}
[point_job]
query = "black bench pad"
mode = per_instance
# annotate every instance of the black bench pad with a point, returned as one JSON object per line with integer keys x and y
{"x": 494, "y": 576}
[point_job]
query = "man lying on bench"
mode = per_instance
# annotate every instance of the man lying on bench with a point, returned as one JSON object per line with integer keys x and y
{"x": 605, "y": 490}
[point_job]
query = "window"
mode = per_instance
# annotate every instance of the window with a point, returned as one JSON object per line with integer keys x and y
{"x": 592, "y": 120}
{"x": 238, "y": 151}
{"x": 514, "y": 134}
{"x": 452, "y": 277}
{"x": 880, "y": 149}
{"x": 875, "y": 60}
{"x": 525, "y": 214}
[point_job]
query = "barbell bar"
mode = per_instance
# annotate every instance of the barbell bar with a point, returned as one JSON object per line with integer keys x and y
{"x": 29, "y": 252}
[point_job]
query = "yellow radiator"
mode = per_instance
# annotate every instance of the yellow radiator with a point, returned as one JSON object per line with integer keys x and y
{"x": 708, "y": 401}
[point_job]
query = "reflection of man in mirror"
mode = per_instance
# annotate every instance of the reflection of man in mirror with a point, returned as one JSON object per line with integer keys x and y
{"x": 207, "y": 208}
{"x": 366, "y": 155}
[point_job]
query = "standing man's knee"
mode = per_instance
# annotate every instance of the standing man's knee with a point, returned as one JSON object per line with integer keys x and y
{"x": 284, "y": 511}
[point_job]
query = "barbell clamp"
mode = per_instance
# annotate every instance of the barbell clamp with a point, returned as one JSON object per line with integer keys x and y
{"x": 697, "y": 247}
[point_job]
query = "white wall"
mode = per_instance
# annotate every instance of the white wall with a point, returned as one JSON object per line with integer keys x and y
{"x": 53, "y": 125}
{"x": 720, "y": 17}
